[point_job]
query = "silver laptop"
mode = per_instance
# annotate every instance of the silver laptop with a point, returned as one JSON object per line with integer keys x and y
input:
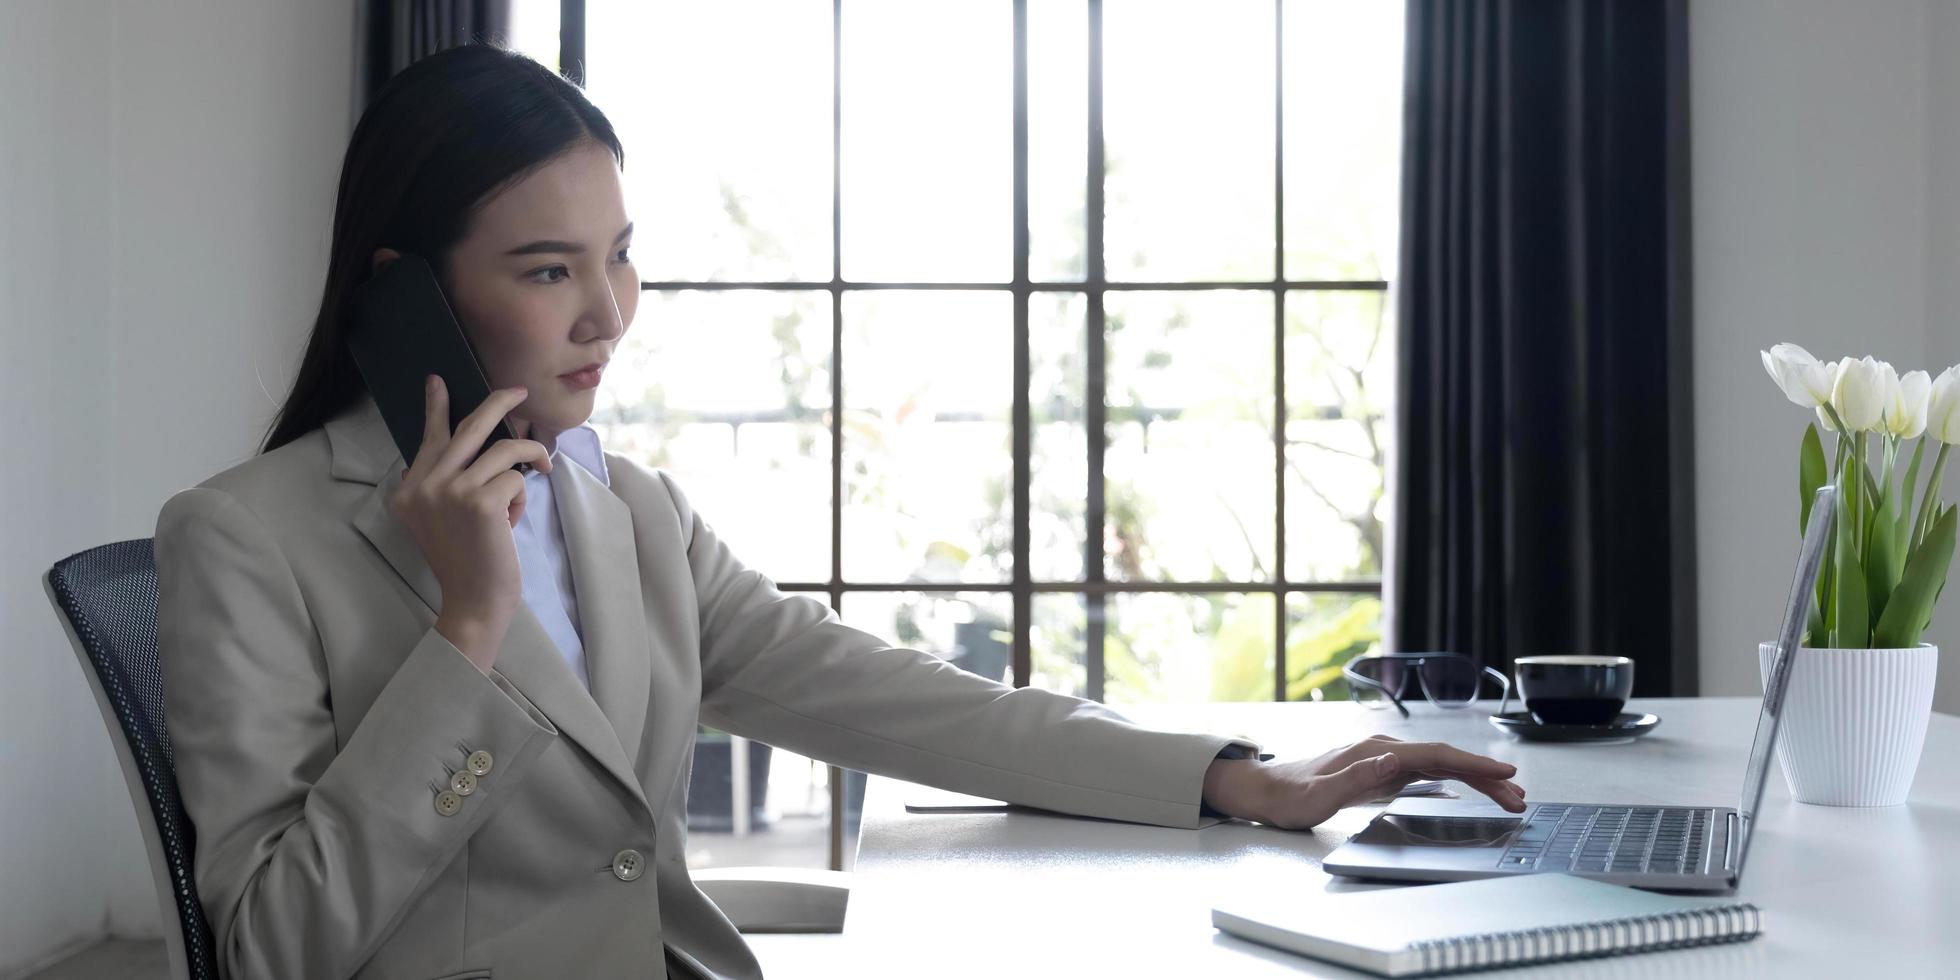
{"x": 1687, "y": 848}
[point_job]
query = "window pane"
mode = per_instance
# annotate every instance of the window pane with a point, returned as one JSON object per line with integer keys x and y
{"x": 1058, "y": 140}
{"x": 1340, "y": 380}
{"x": 928, "y": 477}
{"x": 730, "y": 392}
{"x": 1056, "y": 657}
{"x": 534, "y": 31}
{"x": 974, "y": 630}
{"x": 1166, "y": 647}
{"x": 1343, "y": 137}
{"x": 725, "y": 113}
{"x": 1188, "y": 131}
{"x": 1323, "y": 631}
{"x": 789, "y": 806}
{"x": 1059, "y": 449}
{"x": 1189, "y": 471}
{"x": 927, "y": 155}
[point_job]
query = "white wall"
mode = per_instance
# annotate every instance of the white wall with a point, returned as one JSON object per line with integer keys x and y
{"x": 1826, "y": 142}
{"x": 1942, "y": 43}
{"x": 1943, "y": 212}
{"x": 64, "y": 834}
{"x": 165, "y": 202}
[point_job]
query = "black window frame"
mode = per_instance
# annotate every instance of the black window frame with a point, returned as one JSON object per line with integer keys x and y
{"x": 1095, "y": 587}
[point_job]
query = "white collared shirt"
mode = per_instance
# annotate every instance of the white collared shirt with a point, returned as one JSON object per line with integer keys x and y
{"x": 540, "y": 539}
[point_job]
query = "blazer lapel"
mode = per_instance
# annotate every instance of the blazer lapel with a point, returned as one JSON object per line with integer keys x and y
{"x": 598, "y": 530}
{"x": 363, "y": 451}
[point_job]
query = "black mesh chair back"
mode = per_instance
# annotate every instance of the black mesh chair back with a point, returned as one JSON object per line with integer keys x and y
{"x": 107, "y": 597}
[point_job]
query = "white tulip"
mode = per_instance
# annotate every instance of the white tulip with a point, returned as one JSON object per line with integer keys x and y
{"x": 1943, "y": 407}
{"x": 1858, "y": 393}
{"x": 1905, "y": 402}
{"x": 1804, "y": 379}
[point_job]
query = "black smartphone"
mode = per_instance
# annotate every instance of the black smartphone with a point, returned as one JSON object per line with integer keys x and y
{"x": 401, "y": 330}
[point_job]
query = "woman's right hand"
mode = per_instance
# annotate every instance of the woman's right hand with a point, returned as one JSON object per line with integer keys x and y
{"x": 461, "y": 514}
{"x": 1301, "y": 793}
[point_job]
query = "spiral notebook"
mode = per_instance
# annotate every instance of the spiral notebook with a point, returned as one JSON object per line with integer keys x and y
{"x": 1467, "y": 925}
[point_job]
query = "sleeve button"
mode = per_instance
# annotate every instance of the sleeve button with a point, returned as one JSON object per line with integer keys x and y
{"x": 480, "y": 762}
{"x": 463, "y": 783}
{"x": 447, "y": 803}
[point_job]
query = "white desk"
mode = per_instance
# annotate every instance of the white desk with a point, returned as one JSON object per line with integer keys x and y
{"x": 1844, "y": 891}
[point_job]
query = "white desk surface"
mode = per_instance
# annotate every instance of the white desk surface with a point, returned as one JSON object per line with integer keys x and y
{"x": 1844, "y": 891}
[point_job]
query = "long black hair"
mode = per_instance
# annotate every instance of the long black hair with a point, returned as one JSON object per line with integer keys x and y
{"x": 437, "y": 140}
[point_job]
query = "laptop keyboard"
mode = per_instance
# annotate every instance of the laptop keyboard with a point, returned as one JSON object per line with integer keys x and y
{"x": 1665, "y": 840}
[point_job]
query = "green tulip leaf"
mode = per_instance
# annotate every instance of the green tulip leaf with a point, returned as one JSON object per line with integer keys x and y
{"x": 1882, "y": 561}
{"x": 1902, "y": 535}
{"x": 1911, "y": 608}
{"x": 1930, "y": 511}
{"x": 1928, "y": 624}
{"x": 1853, "y": 616}
{"x": 1814, "y": 626}
{"x": 1937, "y": 592}
{"x": 1810, "y": 474}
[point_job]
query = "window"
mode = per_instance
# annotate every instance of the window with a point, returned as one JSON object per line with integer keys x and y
{"x": 1050, "y": 336}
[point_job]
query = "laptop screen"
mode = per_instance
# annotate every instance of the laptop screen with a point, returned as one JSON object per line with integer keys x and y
{"x": 1823, "y": 511}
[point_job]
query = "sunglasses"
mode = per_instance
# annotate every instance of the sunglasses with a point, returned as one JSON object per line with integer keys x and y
{"x": 1448, "y": 680}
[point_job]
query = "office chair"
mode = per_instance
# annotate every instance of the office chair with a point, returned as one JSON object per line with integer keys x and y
{"x": 107, "y": 598}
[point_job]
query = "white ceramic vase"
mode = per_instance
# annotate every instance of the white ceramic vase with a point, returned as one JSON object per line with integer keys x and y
{"x": 1854, "y": 722}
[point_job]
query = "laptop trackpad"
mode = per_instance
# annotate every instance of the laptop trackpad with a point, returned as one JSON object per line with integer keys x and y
{"x": 1429, "y": 830}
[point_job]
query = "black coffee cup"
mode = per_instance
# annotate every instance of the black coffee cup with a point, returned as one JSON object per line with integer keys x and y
{"x": 1574, "y": 690}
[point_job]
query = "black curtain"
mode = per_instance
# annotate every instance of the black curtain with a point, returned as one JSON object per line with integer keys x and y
{"x": 399, "y": 32}
{"x": 1544, "y": 486}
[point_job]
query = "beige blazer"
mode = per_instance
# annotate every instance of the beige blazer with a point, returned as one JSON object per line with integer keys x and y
{"x": 369, "y": 804}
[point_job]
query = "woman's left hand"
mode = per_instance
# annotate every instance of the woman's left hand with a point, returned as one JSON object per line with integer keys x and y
{"x": 1301, "y": 793}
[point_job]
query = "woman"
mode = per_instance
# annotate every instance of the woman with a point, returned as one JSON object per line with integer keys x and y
{"x": 425, "y": 730}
